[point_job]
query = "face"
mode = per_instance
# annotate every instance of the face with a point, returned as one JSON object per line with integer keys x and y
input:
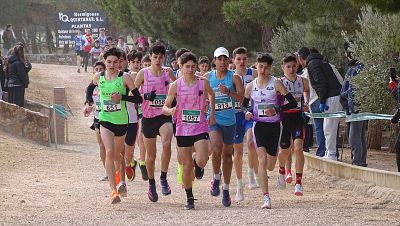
{"x": 97, "y": 44}
{"x": 122, "y": 63}
{"x": 204, "y": 67}
{"x": 102, "y": 33}
{"x": 146, "y": 64}
{"x": 289, "y": 68}
{"x": 106, "y": 48}
{"x": 157, "y": 59}
{"x": 120, "y": 41}
{"x": 240, "y": 61}
{"x": 264, "y": 69}
{"x": 99, "y": 68}
{"x": 221, "y": 63}
{"x": 174, "y": 64}
{"x": 189, "y": 68}
{"x": 87, "y": 31}
{"x": 112, "y": 63}
{"x": 134, "y": 64}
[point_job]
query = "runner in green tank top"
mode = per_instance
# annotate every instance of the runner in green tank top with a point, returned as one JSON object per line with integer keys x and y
{"x": 113, "y": 116}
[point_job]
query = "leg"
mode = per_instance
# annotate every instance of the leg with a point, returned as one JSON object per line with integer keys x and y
{"x": 227, "y": 163}
{"x": 151, "y": 151}
{"x": 166, "y": 137}
{"x": 262, "y": 169}
{"x": 331, "y": 128}
{"x": 187, "y": 165}
{"x": 102, "y": 148}
{"x": 108, "y": 139}
{"x": 319, "y": 130}
{"x": 238, "y": 160}
{"x": 216, "y": 147}
{"x": 252, "y": 172}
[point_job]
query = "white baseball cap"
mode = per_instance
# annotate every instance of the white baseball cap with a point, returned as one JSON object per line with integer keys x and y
{"x": 221, "y": 51}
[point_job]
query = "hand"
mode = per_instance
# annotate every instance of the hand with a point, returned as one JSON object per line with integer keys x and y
{"x": 306, "y": 108}
{"x": 223, "y": 89}
{"x": 211, "y": 120}
{"x": 172, "y": 111}
{"x": 323, "y": 107}
{"x": 150, "y": 96}
{"x": 115, "y": 97}
{"x": 248, "y": 115}
{"x": 87, "y": 110}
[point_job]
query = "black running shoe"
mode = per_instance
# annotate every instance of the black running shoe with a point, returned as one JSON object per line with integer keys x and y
{"x": 198, "y": 172}
{"x": 190, "y": 204}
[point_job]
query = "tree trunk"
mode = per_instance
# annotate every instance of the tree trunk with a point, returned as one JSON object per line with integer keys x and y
{"x": 374, "y": 134}
{"x": 18, "y": 34}
{"x": 49, "y": 40}
{"x": 32, "y": 40}
{"x": 266, "y": 37}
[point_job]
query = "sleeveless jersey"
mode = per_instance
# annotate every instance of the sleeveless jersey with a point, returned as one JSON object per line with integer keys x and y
{"x": 246, "y": 79}
{"x": 296, "y": 88}
{"x": 132, "y": 112}
{"x": 96, "y": 100}
{"x": 224, "y": 104}
{"x": 264, "y": 99}
{"x": 112, "y": 111}
{"x": 160, "y": 84}
{"x": 190, "y": 116}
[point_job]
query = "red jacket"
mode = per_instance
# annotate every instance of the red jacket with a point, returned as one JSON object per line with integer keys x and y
{"x": 90, "y": 40}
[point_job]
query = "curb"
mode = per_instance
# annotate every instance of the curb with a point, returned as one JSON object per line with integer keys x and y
{"x": 377, "y": 177}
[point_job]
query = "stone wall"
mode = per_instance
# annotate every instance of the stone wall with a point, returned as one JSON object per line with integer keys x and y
{"x": 24, "y": 123}
{"x": 61, "y": 59}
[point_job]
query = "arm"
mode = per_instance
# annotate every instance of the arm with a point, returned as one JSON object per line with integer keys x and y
{"x": 170, "y": 74}
{"x": 306, "y": 92}
{"x": 167, "y": 110}
{"x": 22, "y": 74}
{"x": 139, "y": 79}
{"x": 89, "y": 93}
{"x": 246, "y": 101}
{"x": 238, "y": 95}
{"x": 318, "y": 79}
{"x": 130, "y": 84}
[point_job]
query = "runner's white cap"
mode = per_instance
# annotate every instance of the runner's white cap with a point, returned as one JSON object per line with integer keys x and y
{"x": 221, "y": 51}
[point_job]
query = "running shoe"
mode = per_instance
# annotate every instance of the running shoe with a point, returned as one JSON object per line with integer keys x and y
{"x": 115, "y": 197}
{"x": 215, "y": 187}
{"x": 79, "y": 70}
{"x": 129, "y": 173}
{"x": 289, "y": 178}
{"x": 298, "y": 190}
{"x": 190, "y": 203}
{"x": 198, "y": 172}
{"x": 226, "y": 198}
{"x": 281, "y": 181}
{"x": 180, "y": 175}
{"x": 143, "y": 171}
{"x": 122, "y": 189}
{"x": 104, "y": 178}
{"x": 152, "y": 194}
{"x": 267, "y": 202}
{"x": 252, "y": 181}
{"x": 165, "y": 189}
{"x": 117, "y": 177}
{"x": 239, "y": 194}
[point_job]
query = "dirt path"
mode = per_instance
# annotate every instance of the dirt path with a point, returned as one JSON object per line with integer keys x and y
{"x": 48, "y": 186}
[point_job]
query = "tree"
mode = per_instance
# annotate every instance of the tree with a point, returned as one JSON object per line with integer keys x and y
{"x": 385, "y": 6}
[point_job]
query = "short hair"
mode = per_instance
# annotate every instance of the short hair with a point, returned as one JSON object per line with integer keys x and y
{"x": 157, "y": 48}
{"x": 109, "y": 38}
{"x": 97, "y": 41}
{"x": 99, "y": 63}
{"x": 264, "y": 58}
{"x": 120, "y": 37}
{"x": 146, "y": 58}
{"x": 113, "y": 51}
{"x": 304, "y": 52}
{"x": 181, "y": 51}
{"x": 135, "y": 54}
{"x": 188, "y": 56}
{"x": 239, "y": 50}
{"x": 123, "y": 54}
{"x": 289, "y": 57}
{"x": 204, "y": 60}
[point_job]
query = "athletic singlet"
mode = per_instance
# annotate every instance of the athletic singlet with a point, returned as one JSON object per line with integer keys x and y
{"x": 112, "y": 111}
{"x": 79, "y": 41}
{"x": 96, "y": 100}
{"x": 224, "y": 104}
{"x": 132, "y": 112}
{"x": 160, "y": 84}
{"x": 296, "y": 88}
{"x": 190, "y": 116}
{"x": 246, "y": 79}
{"x": 265, "y": 99}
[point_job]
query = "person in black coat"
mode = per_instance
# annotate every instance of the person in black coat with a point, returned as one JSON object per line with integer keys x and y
{"x": 17, "y": 76}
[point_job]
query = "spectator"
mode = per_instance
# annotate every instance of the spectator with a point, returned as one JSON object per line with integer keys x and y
{"x": 8, "y": 38}
{"x": 395, "y": 90}
{"x": 102, "y": 38}
{"x": 313, "y": 104}
{"x": 17, "y": 76}
{"x": 95, "y": 52}
{"x": 2, "y": 75}
{"x": 87, "y": 47}
{"x": 122, "y": 45}
{"x": 109, "y": 41}
{"x": 347, "y": 98}
{"x": 204, "y": 65}
{"x": 327, "y": 86}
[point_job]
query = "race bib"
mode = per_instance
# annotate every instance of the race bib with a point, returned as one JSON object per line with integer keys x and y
{"x": 191, "y": 116}
{"x": 159, "y": 101}
{"x": 97, "y": 106}
{"x": 110, "y": 106}
{"x": 222, "y": 104}
{"x": 263, "y": 110}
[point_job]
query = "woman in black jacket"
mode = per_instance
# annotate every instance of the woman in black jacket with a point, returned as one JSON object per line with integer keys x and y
{"x": 17, "y": 76}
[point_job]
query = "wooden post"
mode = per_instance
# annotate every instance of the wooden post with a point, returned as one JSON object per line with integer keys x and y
{"x": 60, "y": 99}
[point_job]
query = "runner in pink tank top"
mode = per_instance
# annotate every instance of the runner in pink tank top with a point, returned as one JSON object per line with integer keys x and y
{"x": 160, "y": 85}
{"x": 191, "y": 125}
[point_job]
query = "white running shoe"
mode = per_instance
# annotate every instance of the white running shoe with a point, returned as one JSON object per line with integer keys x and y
{"x": 252, "y": 181}
{"x": 267, "y": 202}
{"x": 281, "y": 181}
{"x": 122, "y": 190}
{"x": 331, "y": 157}
{"x": 298, "y": 190}
{"x": 104, "y": 178}
{"x": 239, "y": 194}
{"x": 289, "y": 178}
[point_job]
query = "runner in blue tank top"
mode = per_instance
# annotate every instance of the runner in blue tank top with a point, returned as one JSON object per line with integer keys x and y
{"x": 227, "y": 88}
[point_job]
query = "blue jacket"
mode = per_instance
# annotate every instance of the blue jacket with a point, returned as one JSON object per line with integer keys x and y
{"x": 347, "y": 93}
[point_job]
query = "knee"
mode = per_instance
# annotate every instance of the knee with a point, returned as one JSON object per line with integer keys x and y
{"x": 227, "y": 158}
{"x": 166, "y": 144}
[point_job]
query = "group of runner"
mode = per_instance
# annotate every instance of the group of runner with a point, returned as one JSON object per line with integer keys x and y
{"x": 209, "y": 113}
